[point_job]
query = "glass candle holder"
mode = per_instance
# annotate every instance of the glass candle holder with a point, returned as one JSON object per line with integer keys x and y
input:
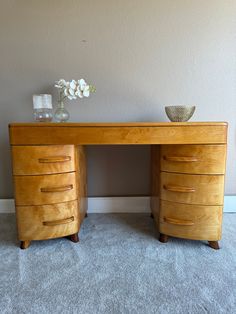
{"x": 42, "y": 105}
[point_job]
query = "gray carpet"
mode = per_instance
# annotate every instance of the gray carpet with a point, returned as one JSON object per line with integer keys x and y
{"x": 118, "y": 267}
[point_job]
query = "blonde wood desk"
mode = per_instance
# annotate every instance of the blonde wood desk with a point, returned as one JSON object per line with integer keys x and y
{"x": 187, "y": 170}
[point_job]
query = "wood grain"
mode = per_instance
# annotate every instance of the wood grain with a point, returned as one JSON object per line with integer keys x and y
{"x": 111, "y": 124}
{"x": 195, "y": 159}
{"x": 30, "y": 190}
{"x": 191, "y": 221}
{"x": 208, "y": 190}
{"x": 81, "y": 177}
{"x": 118, "y": 133}
{"x": 31, "y": 221}
{"x": 34, "y": 160}
{"x": 155, "y": 182}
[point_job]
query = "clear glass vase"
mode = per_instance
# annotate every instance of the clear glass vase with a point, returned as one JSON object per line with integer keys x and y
{"x": 42, "y": 105}
{"x": 43, "y": 115}
{"x": 61, "y": 114}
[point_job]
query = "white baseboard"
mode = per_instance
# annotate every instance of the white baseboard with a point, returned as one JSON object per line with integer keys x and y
{"x": 7, "y": 206}
{"x": 129, "y": 204}
{"x": 230, "y": 204}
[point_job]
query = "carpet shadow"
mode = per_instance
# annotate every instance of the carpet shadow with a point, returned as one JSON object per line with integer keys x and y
{"x": 141, "y": 223}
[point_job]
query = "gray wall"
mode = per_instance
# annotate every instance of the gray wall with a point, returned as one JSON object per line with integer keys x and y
{"x": 140, "y": 55}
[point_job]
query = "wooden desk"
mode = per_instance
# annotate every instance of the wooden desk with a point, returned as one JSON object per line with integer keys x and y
{"x": 188, "y": 167}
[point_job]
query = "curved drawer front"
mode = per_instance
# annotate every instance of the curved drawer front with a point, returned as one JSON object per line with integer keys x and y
{"x": 48, "y": 189}
{"x": 192, "y": 189}
{"x": 33, "y": 160}
{"x": 47, "y": 221}
{"x": 191, "y": 221}
{"x": 195, "y": 159}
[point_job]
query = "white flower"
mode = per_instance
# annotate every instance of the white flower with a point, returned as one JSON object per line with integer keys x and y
{"x": 79, "y": 93}
{"x": 71, "y": 92}
{"x": 82, "y": 84}
{"x": 60, "y": 84}
{"x": 66, "y": 92}
{"x": 73, "y": 84}
{"x": 86, "y": 91}
{"x": 73, "y": 89}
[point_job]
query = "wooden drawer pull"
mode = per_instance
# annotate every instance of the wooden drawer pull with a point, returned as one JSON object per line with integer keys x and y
{"x": 54, "y": 159}
{"x": 57, "y": 189}
{"x": 178, "y": 188}
{"x": 58, "y": 222}
{"x": 180, "y": 222}
{"x": 180, "y": 159}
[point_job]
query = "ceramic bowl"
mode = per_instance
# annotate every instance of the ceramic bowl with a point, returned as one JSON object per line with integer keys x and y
{"x": 179, "y": 113}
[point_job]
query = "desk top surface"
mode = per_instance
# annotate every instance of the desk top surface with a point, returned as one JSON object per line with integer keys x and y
{"x": 111, "y": 124}
{"x": 118, "y": 133}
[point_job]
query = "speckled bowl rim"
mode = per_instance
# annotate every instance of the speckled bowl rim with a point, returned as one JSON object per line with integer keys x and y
{"x": 181, "y": 106}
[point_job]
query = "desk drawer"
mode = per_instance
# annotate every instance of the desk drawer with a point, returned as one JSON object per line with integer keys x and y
{"x": 195, "y": 159}
{"x": 33, "y": 160}
{"x": 47, "y": 189}
{"x": 47, "y": 221}
{"x": 191, "y": 221}
{"x": 192, "y": 189}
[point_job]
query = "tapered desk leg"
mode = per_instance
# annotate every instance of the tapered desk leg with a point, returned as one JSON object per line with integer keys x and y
{"x": 163, "y": 238}
{"x": 24, "y": 244}
{"x": 74, "y": 238}
{"x": 214, "y": 245}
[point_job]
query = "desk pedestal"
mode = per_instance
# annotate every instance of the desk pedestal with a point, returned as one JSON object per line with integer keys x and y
{"x": 50, "y": 191}
{"x": 188, "y": 191}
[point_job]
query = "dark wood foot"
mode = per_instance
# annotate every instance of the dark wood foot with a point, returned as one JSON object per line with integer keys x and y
{"x": 86, "y": 215}
{"x": 214, "y": 245}
{"x": 163, "y": 238}
{"x": 74, "y": 238}
{"x": 24, "y": 244}
{"x": 151, "y": 215}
